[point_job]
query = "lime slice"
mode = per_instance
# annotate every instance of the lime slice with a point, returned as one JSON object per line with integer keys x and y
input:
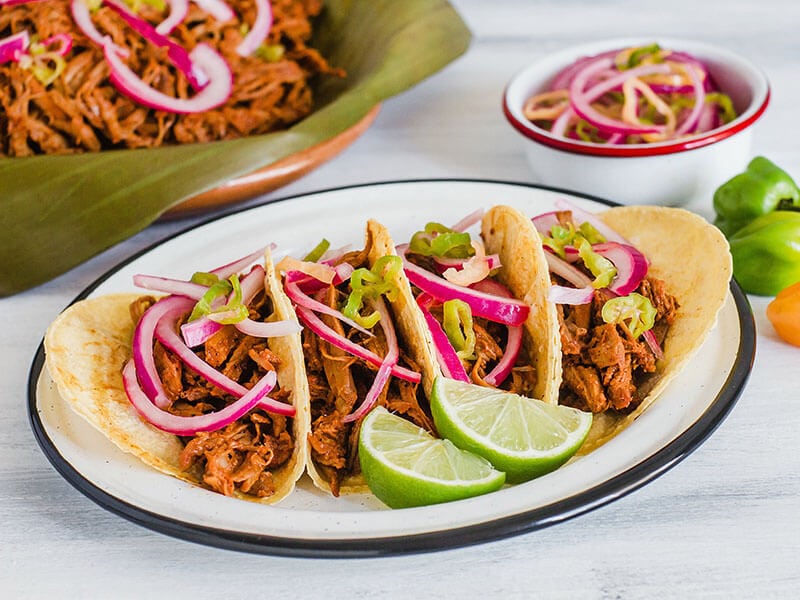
{"x": 521, "y": 436}
{"x": 406, "y": 466}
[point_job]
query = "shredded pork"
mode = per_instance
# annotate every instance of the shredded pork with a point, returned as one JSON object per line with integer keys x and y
{"x": 82, "y": 110}
{"x": 603, "y": 365}
{"x": 338, "y": 383}
{"x": 243, "y": 455}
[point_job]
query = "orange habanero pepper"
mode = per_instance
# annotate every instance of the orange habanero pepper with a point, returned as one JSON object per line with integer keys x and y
{"x": 784, "y": 314}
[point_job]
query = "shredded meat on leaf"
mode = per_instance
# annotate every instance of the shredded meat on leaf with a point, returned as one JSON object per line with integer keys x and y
{"x": 83, "y": 111}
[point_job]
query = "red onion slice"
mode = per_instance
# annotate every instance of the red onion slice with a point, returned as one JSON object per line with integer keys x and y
{"x": 167, "y": 285}
{"x": 318, "y": 326}
{"x": 165, "y": 333}
{"x": 63, "y": 39}
{"x": 631, "y": 266}
{"x": 559, "y": 294}
{"x": 197, "y": 76}
{"x": 178, "y": 9}
{"x": 259, "y": 31}
{"x": 468, "y": 221}
{"x": 217, "y": 9}
{"x": 580, "y": 215}
{"x": 690, "y": 123}
{"x": 83, "y": 19}
{"x": 385, "y": 370}
{"x": 545, "y": 222}
{"x": 580, "y": 99}
{"x": 143, "y": 345}
{"x": 506, "y": 363}
{"x": 198, "y": 331}
{"x": 446, "y": 355}
{"x": 270, "y": 329}
{"x": 301, "y": 299}
{"x": 13, "y": 45}
{"x": 566, "y": 271}
{"x": 203, "y": 56}
{"x": 187, "y": 426}
{"x": 310, "y": 285}
{"x": 508, "y": 311}
{"x": 240, "y": 264}
{"x": 655, "y": 347}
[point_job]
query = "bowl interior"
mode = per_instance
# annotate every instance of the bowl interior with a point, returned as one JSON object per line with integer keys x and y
{"x": 740, "y": 79}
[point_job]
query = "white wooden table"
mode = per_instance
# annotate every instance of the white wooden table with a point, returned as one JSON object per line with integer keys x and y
{"x": 723, "y": 523}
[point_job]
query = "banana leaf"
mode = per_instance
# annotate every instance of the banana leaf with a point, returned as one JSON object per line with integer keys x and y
{"x": 58, "y": 211}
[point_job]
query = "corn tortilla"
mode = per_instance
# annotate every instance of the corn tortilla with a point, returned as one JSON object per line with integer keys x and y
{"x": 89, "y": 343}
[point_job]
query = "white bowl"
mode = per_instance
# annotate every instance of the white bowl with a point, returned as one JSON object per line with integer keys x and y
{"x": 669, "y": 173}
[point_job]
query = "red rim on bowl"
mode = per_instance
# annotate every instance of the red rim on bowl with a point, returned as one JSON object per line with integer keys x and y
{"x": 758, "y": 104}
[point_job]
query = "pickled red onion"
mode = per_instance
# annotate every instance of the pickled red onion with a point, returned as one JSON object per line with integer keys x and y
{"x": 259, "y": 30}
{"x": 11, "y": 46}
{"x": 178, "y": 9}
{"x": 384, "y": 371}
{"x": 217, "y": 9}
{"x": 196, "y": 73}
{"x": 168, "y": 285}
{"x": 509, "y": 311}
{"x": 297, "y": 296}
{"x": 143, "y": 345}
{"x": 203, "y": 56}
{"x": 504, "y": 366}
{"x": 631, "y": 266}
{"x": 318, "y": 326}
{"x": 446, "y": 356}
{"x": 83, "y": 19}
{"x": 187, "y": 426}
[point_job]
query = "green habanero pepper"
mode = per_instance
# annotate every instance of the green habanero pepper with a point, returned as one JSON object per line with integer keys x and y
{"x": 761, "y": 189}
{"x": 766, "y": 253}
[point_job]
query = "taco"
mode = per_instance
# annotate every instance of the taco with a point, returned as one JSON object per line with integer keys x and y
{"x": 633, "y": 304}
{"x": 202, "y": 414}
{"x": 484, "y": 301}
{"x": 371, "y": 352}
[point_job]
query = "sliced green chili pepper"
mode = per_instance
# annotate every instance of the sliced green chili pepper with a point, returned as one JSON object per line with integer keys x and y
{"x": 203, "y": 278}
{"x": 762, "y": 188}
{"x": 457, "y": 324}
{"x": 317, "y": 252}
{"x": 270, "y": 52}
{"x": 725, "y": 104}
{"x": 639, "y": 54}
{"x": 603, "y": 269}
{"x": 634, "y": 310}
{"x": 562, "y": 236}
{"x": 231, "y": 312}
{"x": 439, "y": 240}
{"x": 371, "y": 284}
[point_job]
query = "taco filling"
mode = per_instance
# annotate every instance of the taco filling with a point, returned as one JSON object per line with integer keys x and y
{"x": 451, "y": 271}
{"x": 203, "y": 394}
{"x": 614, "y": 316}
{"x": 355, "y": 352}
{"x": 242, "y": 455}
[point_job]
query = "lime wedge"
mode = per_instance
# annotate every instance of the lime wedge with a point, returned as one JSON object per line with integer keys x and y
{"x": 521, "y": 436}
{"x": 406, "y": 466}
